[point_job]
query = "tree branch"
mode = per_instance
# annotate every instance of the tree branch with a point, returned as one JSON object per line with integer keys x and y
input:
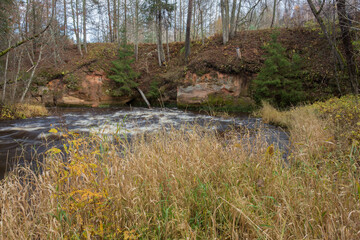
{"x": 2, "y": 53}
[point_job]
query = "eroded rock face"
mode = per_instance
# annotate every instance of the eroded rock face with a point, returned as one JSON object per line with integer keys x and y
{"x": 199, "y": 89}
{"x": 91, "y": 92}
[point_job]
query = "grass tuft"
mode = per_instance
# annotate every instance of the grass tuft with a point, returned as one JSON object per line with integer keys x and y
{"x": 22, "y": 111}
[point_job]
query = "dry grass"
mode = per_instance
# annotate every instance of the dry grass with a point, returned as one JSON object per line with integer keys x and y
{"x": 310, "y": 135}
{"x": 188, "y": 184}
{"x": 22, "y": 110}
{"x": 271, "y": 115}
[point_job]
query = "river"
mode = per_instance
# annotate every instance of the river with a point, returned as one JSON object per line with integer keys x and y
{"x": 22, "y": 140}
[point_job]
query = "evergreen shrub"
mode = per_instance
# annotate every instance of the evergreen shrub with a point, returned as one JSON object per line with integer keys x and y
{"x": 279, "y": 81}
{"x": 122, "y": 73}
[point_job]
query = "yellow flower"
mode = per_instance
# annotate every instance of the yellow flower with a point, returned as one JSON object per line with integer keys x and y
{"x": 53, "y": 130}
{"x": 53, "y": 150}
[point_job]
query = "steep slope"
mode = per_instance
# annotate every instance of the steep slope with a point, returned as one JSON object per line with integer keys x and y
{"x": 215, "y": 74}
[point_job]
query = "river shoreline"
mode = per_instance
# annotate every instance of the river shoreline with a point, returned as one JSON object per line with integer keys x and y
{"x": 30, "y": 137}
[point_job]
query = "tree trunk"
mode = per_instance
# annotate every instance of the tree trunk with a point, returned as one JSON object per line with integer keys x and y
{"x": 84, "y": 26}
{"x": 53, "y": 38}
{"x": 175, "y": 23}
{"x": 225, "y": 20}
{"x": 114, "y": 20}
{"x": 109, "y": 16}
{"x": 238, "y": 17}
{"x": 347, "y": 42}
{"x": 167, "y": 43}
{"x": 187, "y": 36}
{"x": 125, "y": 23}
{"x": 180, "y": 22}
{"x": 118, "y": 35}
{"x": 160, "y": 48}
{"x": 33, "y": 37}
{"x": 34, "y": 25}
{"x": 65, "y": 19}
{"x": 31, "y": 76}
{"x": 194, "y": 24}
{"x": 233, "y": 19}
{"x": 327, "y": 35}
{"x": 137, "y": 30}
{"x": 53, "y": 32}
{"x": 273, "y": 15}
{"x": 16, "y": 77}
{"x": 75, "y": 27}
{"x": 144, "y": 97}
{"x": 5, "y": 75}
{"x": 202, "y": 27}
{"x": 26, "y": 18}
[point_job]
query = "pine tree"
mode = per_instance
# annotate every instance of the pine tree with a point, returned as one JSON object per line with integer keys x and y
{"x": 122, "y": 72}
{"x": 279, "y": 79}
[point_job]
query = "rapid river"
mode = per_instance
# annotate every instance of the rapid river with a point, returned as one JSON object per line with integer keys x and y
{"x": 24, "y": 139}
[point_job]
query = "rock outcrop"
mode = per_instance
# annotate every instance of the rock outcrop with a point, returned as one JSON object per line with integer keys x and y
{"x": 204, "y": 89}
{"x": 92, "y": 92}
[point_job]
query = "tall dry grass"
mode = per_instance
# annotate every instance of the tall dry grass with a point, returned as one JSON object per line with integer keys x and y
{"x": 187, "y": 183}
{"x": 310, "y": 135}
{"x": 22, "y": 110}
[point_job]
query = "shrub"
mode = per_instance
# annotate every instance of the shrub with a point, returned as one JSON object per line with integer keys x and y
{"x": 344, "y": 113}
{"x": 154, "y": 91}
{"x": 279, "y": 79}
{"x": 72, "y": 82}
{"x": 122, "y": 73}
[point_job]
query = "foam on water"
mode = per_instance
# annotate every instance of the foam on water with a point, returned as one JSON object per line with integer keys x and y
{"x": 34, "y": 133}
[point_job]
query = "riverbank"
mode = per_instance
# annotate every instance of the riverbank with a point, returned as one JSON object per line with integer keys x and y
{"x": 22, "y": 111}
{"x": 214, "y": 75}
{"x": 196, "y": 184}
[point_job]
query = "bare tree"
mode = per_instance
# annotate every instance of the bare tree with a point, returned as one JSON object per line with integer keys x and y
{"x": 76, "y": 24}
{"x": 347, "y": 43}
{"x": 35, "y": 64}
{"x": 109, "y": 17}
{"x": 188, "y": 26}
{"x": 136, "y": 29}
{"x": 33, "y": 37}
{"x": 320, "y": 21}
{"x": 65, "y": 19}
{"x": 17, "y": 76}
{"x": 273, "y": 16}
{"x": 5, "y": 74}
{"x": 224, "y": 4}
{"x": 233, "y": 19}
{"x": 84, "y": 25}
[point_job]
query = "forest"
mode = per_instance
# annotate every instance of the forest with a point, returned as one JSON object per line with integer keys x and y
{"x": 179, "y": 119}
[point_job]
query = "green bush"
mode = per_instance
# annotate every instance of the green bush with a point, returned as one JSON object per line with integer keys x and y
{"x": 154, "y": 91}
{"x": 72, "y": 82}
{"x": 122, "y": 73}
{"x": 279, "y": 79}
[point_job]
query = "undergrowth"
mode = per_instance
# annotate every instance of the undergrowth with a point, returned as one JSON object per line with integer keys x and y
{"x": 190, "y": 184}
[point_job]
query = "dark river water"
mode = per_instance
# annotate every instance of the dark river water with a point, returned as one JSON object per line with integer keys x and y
{"x": 22, "y": 140}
